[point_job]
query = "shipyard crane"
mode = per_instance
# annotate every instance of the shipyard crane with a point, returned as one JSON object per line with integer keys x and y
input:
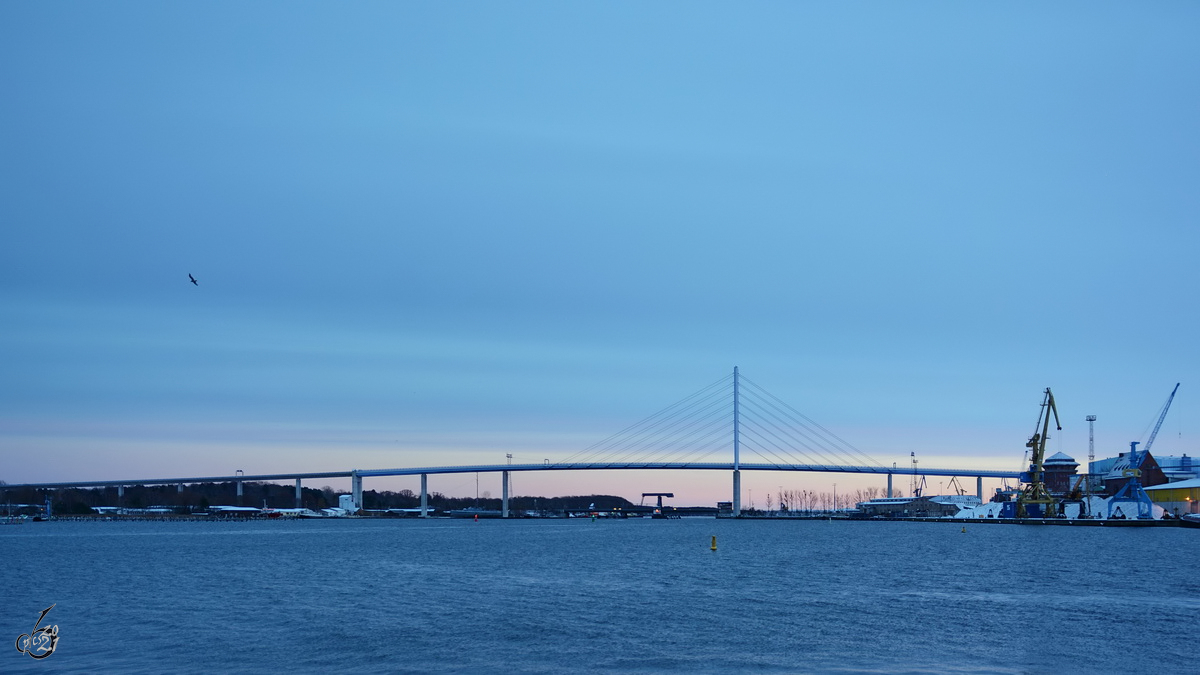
{"x": 956, "y": 486}
{"x": 1035, "y": 491}
{"x": 1132, "y": 491}
{"x": 1162, "y": 416}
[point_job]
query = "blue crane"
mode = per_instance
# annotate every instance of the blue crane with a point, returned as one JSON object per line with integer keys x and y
{"x": 1132, "y": 492}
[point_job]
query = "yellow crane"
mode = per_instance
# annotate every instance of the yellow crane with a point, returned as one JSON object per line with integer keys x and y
{"x": 1034, "y": 491}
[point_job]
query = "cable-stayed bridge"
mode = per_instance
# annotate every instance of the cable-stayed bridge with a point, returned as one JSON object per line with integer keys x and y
{"x": 733, "y": 413}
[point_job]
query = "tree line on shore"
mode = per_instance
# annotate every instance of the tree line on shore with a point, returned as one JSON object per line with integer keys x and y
{"x": 200, "y": 496}
{"x": 808, "y": 501}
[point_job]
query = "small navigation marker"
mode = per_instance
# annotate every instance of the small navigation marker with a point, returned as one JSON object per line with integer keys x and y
{"x": 714, "y": 544}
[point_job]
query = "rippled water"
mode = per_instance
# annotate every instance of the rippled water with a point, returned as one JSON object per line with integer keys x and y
{"x": 553, "y": 596}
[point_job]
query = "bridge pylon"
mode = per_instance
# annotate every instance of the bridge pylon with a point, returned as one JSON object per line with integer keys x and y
{"x": 737, "y": 460}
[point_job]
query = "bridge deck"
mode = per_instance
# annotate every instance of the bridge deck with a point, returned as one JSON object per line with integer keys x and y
{"x": 488, "y": 468}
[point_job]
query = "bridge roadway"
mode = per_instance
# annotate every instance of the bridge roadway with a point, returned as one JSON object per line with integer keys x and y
{"x": 357, "y": 475}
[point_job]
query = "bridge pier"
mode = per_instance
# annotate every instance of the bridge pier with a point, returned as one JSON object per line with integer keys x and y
{"x": 179, "y": 487}
{"x": 120, "y": 495}
{"x": 889, "y": 492}
{"x": 239, "y": 492}
{"x": 424, "y": 495}
{"x": 737, "y": 493}
{"x": 504, "y": 495}
{"x": 297, "y": 493}
{"x": 356, "y": 490}
{"x": 979, "y": 487}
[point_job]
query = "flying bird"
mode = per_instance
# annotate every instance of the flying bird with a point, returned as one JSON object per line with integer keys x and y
{"x": 193, "y": 279}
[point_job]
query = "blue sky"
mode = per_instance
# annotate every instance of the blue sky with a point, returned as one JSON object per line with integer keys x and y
{"x": 439, "y": 233}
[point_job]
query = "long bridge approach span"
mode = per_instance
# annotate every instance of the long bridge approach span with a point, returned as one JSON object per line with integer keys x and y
{"x": 682, "y": 436}
{"x": 356, "y": 475}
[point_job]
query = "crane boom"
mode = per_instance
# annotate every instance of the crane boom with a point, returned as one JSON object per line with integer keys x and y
{"x": 1161, "y": 417}
{"x": 1132, "y": 491}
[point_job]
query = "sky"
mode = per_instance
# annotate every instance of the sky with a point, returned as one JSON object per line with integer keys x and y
{"x": 440, "y": 233}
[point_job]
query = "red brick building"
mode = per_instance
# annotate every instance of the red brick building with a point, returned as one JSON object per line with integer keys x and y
{"x": 1115, "y": 479}
{"x": 1061, "y": 473}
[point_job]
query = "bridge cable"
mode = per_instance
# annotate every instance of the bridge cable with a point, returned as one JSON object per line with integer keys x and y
{"x": 765, "y": 436}
{"x": 646, "y": 439}
{"x": 798, "y": 437}
{"x": 713, "y": 414}
{"x": 835, "y": 437}
{"x": 717, "y": 426}
{"x": 627, "y": 437}
{"x": 803, "y": 435}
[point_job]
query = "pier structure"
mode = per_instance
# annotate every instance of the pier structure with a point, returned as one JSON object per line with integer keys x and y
{"x": 504, "y": 493}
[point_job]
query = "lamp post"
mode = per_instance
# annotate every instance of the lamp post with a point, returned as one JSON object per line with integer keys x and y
{"x": 835, "y": 496}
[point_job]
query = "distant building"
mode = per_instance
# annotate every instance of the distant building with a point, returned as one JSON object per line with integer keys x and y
{"x": 1175, "y": 468}
{"x": 1179, "y": 468}
{"x": 1112, "y": 472}
{"x": 1061, "y": 473}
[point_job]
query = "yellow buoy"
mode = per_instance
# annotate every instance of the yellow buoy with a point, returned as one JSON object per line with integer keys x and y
{"x": 714, "y": 544}
{"x": 964, "y": 529}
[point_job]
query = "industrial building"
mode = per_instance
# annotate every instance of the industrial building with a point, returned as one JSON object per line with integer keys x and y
{"x": 1179, "y": 468}
{"x": 1174, "y": 468}
{"x": 1114, "y": 472}
{"x": 1178, "y": 498}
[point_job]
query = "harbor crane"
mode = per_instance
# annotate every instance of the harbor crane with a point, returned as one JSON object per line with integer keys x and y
{"x": 1161, "y": 417}
{"x": 1132, "y": 491}
{"x": 1034, "y": 491}
{"x": 956, "y": 486}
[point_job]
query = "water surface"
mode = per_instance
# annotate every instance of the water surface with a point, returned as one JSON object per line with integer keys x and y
{"x": 632, "y": 596}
